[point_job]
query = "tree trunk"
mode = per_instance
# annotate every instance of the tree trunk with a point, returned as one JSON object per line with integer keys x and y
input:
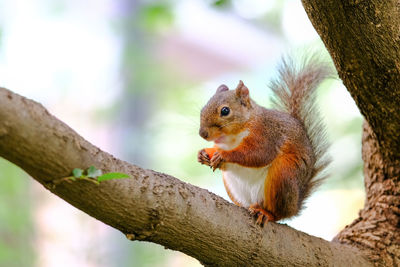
{"x": 377, "y": 228}
{"x": 363, "y": 38}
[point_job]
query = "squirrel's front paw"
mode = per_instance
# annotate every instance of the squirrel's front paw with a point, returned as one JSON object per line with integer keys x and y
{"x": 216, "y": 161}
{"x": 203, "y": 157}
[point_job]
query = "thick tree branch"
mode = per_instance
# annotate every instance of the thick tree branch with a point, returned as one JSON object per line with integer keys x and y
{"x": 152, "y": 206}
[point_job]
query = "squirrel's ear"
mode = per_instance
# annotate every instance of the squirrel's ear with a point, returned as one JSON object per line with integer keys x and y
{"x": 222, "y": 88}
{"x": 242, "y": 92}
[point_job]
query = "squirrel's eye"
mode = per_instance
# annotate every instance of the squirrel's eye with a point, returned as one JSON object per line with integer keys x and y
{"x": 225, "y": 111}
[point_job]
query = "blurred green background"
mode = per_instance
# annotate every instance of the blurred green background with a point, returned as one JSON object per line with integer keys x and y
{"x": 131, "y": 77}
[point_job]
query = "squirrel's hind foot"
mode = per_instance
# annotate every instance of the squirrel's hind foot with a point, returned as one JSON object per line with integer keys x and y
{"x": 263, "y": 216}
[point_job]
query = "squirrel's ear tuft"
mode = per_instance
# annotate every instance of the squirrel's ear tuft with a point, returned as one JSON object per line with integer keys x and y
{"x": 242, "y": 92}
{"x": 222, "y": 88}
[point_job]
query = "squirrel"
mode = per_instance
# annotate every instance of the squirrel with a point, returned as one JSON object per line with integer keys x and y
{"x": 271, "y": 159}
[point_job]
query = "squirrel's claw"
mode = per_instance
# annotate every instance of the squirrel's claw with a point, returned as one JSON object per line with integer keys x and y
{"x": 216, "y": 161}
{"x": 203, "y": 157}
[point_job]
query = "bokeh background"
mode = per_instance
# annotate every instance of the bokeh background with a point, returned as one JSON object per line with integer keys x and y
{"x": 131, "y": 77}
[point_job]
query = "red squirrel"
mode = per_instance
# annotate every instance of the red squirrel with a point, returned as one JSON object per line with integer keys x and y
{"x": 271, "y": 159}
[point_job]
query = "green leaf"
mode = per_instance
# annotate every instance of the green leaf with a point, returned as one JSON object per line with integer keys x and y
{"x": 221, "y": 3}
{"x": 92, "y": 172}
{"x": 77, "y": 172}
{"x": 112, "y": 175}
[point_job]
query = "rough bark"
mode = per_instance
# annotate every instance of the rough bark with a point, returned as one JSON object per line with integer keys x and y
{"x": 151, "y": 206}
{"x": 363, "y": 40}
{"x": 377, "y": 227}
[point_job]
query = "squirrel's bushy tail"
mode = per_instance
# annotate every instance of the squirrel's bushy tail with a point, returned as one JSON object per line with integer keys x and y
{"x": 294, "y": 92}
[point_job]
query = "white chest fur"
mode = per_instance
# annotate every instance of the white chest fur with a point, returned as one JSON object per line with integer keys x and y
{"x": 246, "y": 185}
{"x": 232, "y": 141}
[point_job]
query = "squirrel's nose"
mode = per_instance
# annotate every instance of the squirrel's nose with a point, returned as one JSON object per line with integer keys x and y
{"x": 203, "y": 133}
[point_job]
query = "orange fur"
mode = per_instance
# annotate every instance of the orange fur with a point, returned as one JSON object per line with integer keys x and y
{"x": 255, "y": 150}
{"x": 283, "y": 167}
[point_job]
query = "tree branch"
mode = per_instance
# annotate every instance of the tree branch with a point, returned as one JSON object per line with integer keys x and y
{"x": 152, "y": 206}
